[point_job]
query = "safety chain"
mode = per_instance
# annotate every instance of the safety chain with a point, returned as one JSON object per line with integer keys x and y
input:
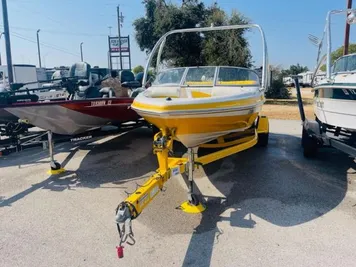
{"x": 125, "y": 213}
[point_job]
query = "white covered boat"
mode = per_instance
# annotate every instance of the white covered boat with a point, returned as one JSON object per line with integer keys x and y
{"x": 335, "y": 94}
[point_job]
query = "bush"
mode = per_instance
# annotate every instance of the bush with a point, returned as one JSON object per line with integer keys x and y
{"x": 138, "y": 69}
{"x": 278, "y": 90}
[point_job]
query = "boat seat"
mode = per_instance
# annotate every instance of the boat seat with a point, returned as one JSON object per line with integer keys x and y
{"x": 107, "y": 92}
{"x": 164, "y": 92}
{"x": 198, "y": 92}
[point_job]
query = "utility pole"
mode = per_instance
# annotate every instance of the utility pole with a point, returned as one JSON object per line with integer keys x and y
{"x": 0, "y": 52}
{"x": 81, "y": 51}
{"x": 7, "y": 42}
{"x": 347, "y": 30}
{"x": 38, "y": 48}
{"x": 120, "y": 19}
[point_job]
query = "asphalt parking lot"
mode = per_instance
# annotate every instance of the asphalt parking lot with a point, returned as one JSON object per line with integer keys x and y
{"x": 265, "y": 207}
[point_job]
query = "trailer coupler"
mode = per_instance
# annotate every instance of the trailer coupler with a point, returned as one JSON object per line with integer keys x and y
{"x": 125, "y": 213}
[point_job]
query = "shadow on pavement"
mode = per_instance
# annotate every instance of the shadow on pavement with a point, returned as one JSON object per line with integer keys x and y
{"x": 114, "y": 161}
{"x": 276, "y": 184}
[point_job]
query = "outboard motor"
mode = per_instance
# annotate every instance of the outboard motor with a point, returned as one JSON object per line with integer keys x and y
{"x": 86, "y": 85}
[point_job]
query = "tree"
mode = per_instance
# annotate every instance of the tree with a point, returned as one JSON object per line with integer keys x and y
{"x": 138, "y": 69}
{"x": 339, "y": 53}
{"x": 211, "y": 48}
{"x": 277, "y": 90}
{"x": 277, "y": 72}
{"x": 294, "y": 70}
{"x": 232, "y": 44}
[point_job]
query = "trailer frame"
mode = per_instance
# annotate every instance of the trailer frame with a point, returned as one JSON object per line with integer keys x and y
{"x": 316, "y": 134}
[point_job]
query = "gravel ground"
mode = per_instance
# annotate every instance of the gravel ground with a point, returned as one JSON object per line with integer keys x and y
{"x": 278, "y": 208}
{"x": 288, "y": 109}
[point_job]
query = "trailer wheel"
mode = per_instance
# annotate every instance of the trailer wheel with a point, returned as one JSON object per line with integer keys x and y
{"x": 262, "y": 139}
{"x": 310, "y": 145}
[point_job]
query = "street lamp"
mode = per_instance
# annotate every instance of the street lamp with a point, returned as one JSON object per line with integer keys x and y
{"x": 0, "y": 51}
{"x": 44, "y": 59}
{"x": 38, "y": 48}
{"x": 81, "y": 51}
{"x": 7, "y": 41}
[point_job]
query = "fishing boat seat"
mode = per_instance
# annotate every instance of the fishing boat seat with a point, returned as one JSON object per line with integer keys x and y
{"x": 86, "y": 81}
{"x": 107, "y": 92}
{"x": 126, "y": 76}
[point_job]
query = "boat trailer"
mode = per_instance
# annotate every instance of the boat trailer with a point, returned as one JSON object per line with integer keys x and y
{"x": 169, "y": 166}
{"x": 315, "y": 134}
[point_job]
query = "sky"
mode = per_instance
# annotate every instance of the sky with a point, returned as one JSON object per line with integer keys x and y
{"x": 64, "y": 24}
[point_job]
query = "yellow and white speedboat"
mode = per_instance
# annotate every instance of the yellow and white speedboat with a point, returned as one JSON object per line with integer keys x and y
{"x": 202, "y": 103}
{"x": 196, "y": 105}
{"x": 199, "y": 104}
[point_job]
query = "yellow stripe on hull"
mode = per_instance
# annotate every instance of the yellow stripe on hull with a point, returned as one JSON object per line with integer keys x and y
{"x": 194, "y": 106}
{"x": 203, "y": 124}
{"x": 197, "y": 94}
{"x": 193, "y": 132}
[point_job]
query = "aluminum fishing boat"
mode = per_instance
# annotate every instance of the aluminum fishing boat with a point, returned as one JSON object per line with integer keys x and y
{"x": 75, "y": 116}
{"x": 201, "y": 103}
{"x": 88, "y": 108}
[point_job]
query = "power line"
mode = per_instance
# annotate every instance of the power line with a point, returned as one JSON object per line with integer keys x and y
{"x": 57, "y": 32}
{"x": 43, "y": 44}
{"x": 36, "y": 13}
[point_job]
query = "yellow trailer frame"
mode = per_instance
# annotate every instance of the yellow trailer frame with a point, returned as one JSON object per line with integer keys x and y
{"x": 171, "y": 166}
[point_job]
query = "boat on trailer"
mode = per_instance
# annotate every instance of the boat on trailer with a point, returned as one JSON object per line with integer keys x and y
{"x": 334, "y": 97}
{"x": 203, "y": 107}
{"x": 87, "y": 108}
{"x": 75, "y": 116}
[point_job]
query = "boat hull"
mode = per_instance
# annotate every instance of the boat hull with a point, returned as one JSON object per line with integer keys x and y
{"x": 193, "y": 130}
{"x": 6, "y": 116}
{"x": 75, "y": 117}
{"x": 336, "y": 107}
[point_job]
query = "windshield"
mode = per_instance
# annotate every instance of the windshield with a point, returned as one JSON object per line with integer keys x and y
{"x": 170, "y": 76}
{"x": 200, "y": 76}
{"x": 346, "y": 63}
{"x": 237, "y": 76}
{"x": 204, "y": 76}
